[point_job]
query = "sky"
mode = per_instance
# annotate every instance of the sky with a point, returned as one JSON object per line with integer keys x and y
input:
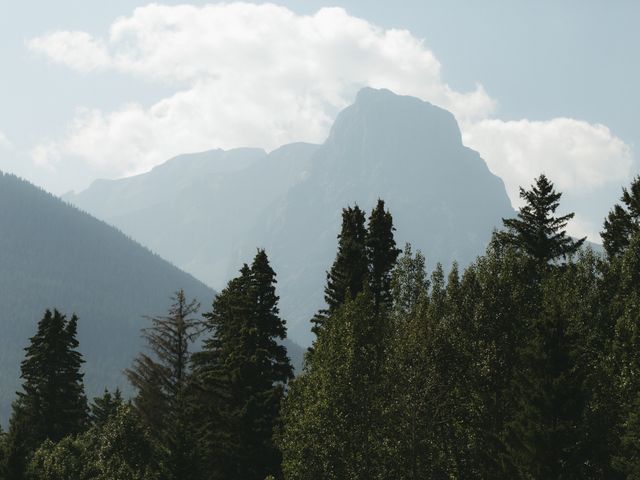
{"x": 92, "y": 89}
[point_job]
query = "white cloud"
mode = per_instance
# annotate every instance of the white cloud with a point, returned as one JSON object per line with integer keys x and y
{"x": 77, "y": 50}
{"x": 579, "y": 157}
{"x": 244, "y": 74}
{"x": 261, "y": 75}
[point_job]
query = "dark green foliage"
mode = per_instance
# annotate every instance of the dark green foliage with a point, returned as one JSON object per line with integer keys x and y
{"x": 53, "y": 254}
{"x": 626, "y": 355}
{"x": 381, "y": 254}
{"x": 520, "y": 367}
{"x": 537, "y": 231}
{"x": 52, "y": 403}
{"x": 161, "y": 383}
{"x": 623, "y": 221}
{"x": 348, "y": 274}
{"x": 365, "y": 259}
{"x": 102, "y": 408}
{"x": 239, "y": 377}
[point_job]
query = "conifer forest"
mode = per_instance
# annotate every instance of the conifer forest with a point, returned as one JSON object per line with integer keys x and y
{"x": 525, "y": 364}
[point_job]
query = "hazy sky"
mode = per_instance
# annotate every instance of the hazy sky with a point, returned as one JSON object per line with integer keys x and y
{"x": 105, "y": 89}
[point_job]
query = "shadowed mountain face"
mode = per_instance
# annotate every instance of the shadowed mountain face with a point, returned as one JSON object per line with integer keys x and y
{"x": 443, "y": 198}
{"x": 54, "y": 256}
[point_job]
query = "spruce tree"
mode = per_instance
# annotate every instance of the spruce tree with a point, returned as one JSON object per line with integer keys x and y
{"x": 381, "y": 254}
{"x": 536, "y": 231}
{"x": 348, "y": 274}
{"x": 52, "y": 403}
{"x": 240, "y": 376}
{"x": 103, "y": 407}
{"x": 162, "y": 382}
{"x": 623, "y": 221}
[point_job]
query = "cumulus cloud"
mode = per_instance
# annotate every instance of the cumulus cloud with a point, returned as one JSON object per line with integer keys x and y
{"x": 243, "y": 74}
{"x": 578, "y": 156}
{"x": 261, "y": 75}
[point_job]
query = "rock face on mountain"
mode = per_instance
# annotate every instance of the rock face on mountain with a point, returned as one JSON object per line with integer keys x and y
{"x": 54, "y": 256}
{"x": 443, "y": 198}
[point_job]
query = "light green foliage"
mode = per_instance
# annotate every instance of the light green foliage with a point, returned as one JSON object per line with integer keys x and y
{"x": 120, "y": 449}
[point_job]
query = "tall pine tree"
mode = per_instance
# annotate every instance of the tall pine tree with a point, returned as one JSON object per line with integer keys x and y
{"x": 52, "y": 403}
{"x": 162, "y": 382}
{"x": 537, "y": 231}
{"x": 381, "y": 254}
{"x": 623, "y": 221}
{"x": 348, "y": 274}
{"x": 239, "y": 377}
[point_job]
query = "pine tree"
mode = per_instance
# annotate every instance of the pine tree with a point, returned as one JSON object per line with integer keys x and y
{"x": 623, "y": 221}
{"x": 240, "y": 376}
{"x": 103, "y": 407}
{"x": 348, "y": 274}
{"x": 381, "y": 254}
{"x": 162, "y": 381}
{"x": 537, "y": 231}
{"x": 52, "y": 403}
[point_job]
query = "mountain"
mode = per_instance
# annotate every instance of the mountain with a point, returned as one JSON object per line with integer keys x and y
{"x": 443, "y": 198}
{"x": 55, "y": 256}
{"x": 196, "y": 209}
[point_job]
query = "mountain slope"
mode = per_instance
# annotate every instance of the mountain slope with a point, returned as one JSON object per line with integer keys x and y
{"x": 54, "y": 256}
{"x": 196, "y": 209}
{"x": 443, "y": 197}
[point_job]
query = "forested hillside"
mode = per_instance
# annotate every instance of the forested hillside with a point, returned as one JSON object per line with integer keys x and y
{"x": 54, "y": 256}
{"x": 524, "y": 365}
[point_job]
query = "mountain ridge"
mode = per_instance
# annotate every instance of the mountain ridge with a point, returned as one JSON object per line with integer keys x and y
{"x": 289, "y": 201}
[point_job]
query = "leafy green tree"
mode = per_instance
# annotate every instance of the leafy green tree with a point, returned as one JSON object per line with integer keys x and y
{"x": 330, "y": 414}
{"x": 536, "y": 231}
{"x": 103, "y": 407}
{"x": 162, "y": 382}
{"x": 409, "y": 282}
{"x": 381, "y": 254}
{"x": 623, "y": 221}
{"x": 52, "y": 403}
{"x": 122, "y": 448}
{"x": 625, "y": 351}
{"x": 240, "y": 375}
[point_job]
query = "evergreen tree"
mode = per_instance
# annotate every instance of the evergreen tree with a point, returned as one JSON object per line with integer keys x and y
{"x": 103, "y": 407}
{"x": 3, "y": 454}
{"x": 52, "y": 403}
{"x": 162, "y": 381}
{"x": 240, "y": 376}
{"x": 381, "y": 254}
{"x": 348, "y": 274}
{"x": 537, "y": 231}
{"x": 623, "y": 221}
